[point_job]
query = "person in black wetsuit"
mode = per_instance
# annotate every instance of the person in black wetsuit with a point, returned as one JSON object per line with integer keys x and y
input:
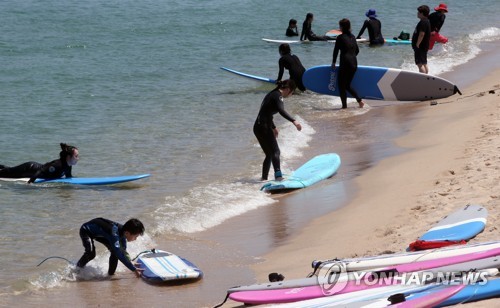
{"x": 292, "y": 28}
{"x": 374, "y": 27}
{"x": 307, "y": 33}
{"x": 265, "y": 130}
{"x": 115, "y": 237}
{"x": 420, "y": 39}
{"x": 348, "y": 48}
{"x": 55, "y": 169}
{"x": 292, "y": 63}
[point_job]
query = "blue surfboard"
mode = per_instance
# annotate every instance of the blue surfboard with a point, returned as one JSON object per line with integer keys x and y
{"x": 381, "y": 83}
{"x": 474, "y": 292}
{"x": 317, "y": 169}
{"x": 249, "y": 75}
{"x": 463, "y": 224}
{"x": 162, "y": 266}
{"x": 93, "y": 181}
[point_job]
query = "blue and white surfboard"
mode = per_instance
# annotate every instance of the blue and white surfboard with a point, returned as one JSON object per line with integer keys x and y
{"x": 381, "y": 83}
{"x": 249, "y": 75}
{"x": 162, "y": 266}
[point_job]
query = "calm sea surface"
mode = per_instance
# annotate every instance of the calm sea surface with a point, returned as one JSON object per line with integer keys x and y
{"x": 136, "y": 85}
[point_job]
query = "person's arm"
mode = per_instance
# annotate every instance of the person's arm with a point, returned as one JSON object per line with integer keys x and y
{"x": 303, "y": 33}
{"x": 335, "y": 52}
{"x": 362, "y": 29}
{"x": 420, "y": 38}
{"x": 281, "y": 68}
{"x": 68, "y": 174}
{"x": 120, "y": 248}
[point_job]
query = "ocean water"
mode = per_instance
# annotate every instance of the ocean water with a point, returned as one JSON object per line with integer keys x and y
{"x": 136, "y": 85}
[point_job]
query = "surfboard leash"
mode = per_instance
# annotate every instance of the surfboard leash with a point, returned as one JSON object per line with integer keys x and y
{"x": 56, "y": 257}
{"x": 143, "y": 252}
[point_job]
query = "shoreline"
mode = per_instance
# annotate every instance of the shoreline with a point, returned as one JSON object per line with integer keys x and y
{"x": 454, "y": 143}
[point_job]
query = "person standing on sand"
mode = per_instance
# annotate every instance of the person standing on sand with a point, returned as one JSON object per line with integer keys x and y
{"x": 420, "y": 39}
{"x": 374, "y": 27}
{"x": 348, "y": 47}
{"x": 265, "y": 130}
{"x": 437, "y": 20}
{"x": 292, "y": 63}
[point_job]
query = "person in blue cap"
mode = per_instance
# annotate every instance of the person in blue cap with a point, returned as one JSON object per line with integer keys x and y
{"x": 374, "y": 27}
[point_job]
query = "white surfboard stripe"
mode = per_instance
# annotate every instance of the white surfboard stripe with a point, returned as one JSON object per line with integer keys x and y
{"x": 483, "y": 220}
{"x": 169, "y": 267}
{"x": 385, "y": 84}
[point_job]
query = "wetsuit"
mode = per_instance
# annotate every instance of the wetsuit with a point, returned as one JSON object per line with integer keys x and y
{"x": 308, "y": 34}
{"x": 112, "y": 236}
{"x": 292, "y": 32}
{"x": 346, "y": 44}
{"x": 294, "y": 67}
{"x": 374, "y": 31}
{"x": 52, "y": 170}
{"x": 263, "y": 130}
{"x": 421, "y": 52}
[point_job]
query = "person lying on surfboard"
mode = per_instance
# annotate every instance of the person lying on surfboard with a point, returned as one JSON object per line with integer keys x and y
{"x": 265, "y": 130}
{"x": 115, "y": 237}
{"x": 55, "y": 169}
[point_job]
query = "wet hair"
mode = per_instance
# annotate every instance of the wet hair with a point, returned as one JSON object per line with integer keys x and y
{"x": 284, "y": 49}
{"x": 424, "y": 9}
{"x": 309, "y": 16}
{"x": 292, "y": 22}
{"x": 286, "y": 84}
{"x": 66, "y": 150}
{"x": 134, "y": 226}
{"x": 345, "y": 25}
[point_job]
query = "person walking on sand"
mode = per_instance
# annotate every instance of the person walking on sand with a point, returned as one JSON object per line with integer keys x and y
{"x": 55, "y": 169}
{"x": 374, "y": 27}
{"x": 437, "y": 20}
{"x": 348, "y": 48}
{"x": 420, "y": 39}
{"x": 265, "y": 130}
{"x": 115, "y": 237}
{"x": 292, "y": 63}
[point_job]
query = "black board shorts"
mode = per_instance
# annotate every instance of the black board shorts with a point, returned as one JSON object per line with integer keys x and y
{"x": 420, "y": 56}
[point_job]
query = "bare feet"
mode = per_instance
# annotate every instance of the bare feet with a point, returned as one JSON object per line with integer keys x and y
{"x": 361, "y": 104}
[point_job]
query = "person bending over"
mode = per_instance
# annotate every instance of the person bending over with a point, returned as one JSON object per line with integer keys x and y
{"x": 292, "y": 63}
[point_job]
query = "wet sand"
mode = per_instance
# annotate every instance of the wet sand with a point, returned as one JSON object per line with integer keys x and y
{"x": 382, "y": 198}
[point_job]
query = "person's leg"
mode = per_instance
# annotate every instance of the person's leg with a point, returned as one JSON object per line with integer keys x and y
{"x": 350, "y": 89}
{"x": 89, "y": 246}
{"x": 113, "y": 263}
{"x": 25, "y": 170}
{"x": 261, "y": 133}
{"x": 342, "y": 83}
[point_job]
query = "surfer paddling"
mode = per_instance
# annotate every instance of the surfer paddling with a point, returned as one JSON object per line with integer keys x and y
{"x": 55, "y": 169}
{"x": 115, "y": 237}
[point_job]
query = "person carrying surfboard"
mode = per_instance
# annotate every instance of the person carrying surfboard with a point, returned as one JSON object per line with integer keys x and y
{"x": 292, "y": 63}
{"x": 420, "y": 39}
{"x": 265, "y": 130}
{"x": 374, "y": 27}
{"x": 348, "y": 47}
{"x": 112, "y": 235}
{"x": 55, "y": 169}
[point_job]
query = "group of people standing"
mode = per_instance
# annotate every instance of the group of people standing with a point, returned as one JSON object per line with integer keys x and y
{"x": 346, "y": 46}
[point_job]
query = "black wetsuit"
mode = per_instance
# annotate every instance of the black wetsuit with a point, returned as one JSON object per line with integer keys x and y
{"x": 263, "y": 130}
{"x": 308, "y": 34}
{"x": 437, "y": 20}
{"x": 294, "y": 67}
{"x": 374, "y": 31}
{"x": 346, "y": 44}
{"x": 112, "y": 236}
{"x": 52, "y": 170}
{"x": 292, "y": 32}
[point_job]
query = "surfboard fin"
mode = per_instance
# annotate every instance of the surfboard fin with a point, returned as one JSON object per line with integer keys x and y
{"x": 456, "y": 90}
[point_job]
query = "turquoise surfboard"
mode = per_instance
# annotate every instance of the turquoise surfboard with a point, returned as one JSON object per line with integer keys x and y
{"x": 84, "y": 181}
{"x": 381, "y": 83}
{"x": 317, "y": 169}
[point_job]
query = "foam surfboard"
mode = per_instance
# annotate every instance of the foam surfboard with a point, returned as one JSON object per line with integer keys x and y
{"x": 362, "y": 40}
{"x": 317, "y": 291}
{"x": 162, "y": 266}
{"x": 84, "y": 181}
{"x": 385, "y": 260}
{"x": 249, "y": 75}
{"x": 458, "y": 227}
{"x": 474, "y": 292}
{"x": 334, "y": 33}
{"x": 381, "y": 83}
{"x": 317, "y": 169}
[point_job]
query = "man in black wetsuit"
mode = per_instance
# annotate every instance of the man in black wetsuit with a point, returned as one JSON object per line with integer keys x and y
{"x": 265, "y": 130}
{"x": 55, "y": 169}
{"x": 114, "y": 236}
{"x": 307, "y": 33}
{"x": 292, "y": 63}
{"x": 348, "y": 47}
{"x": 374, "y": 27}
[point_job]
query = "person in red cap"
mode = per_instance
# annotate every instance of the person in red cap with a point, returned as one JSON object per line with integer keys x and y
{"x": 437, "y": 20}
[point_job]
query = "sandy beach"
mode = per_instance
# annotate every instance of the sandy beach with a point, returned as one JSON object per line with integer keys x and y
{"x": 452, "y": 161}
